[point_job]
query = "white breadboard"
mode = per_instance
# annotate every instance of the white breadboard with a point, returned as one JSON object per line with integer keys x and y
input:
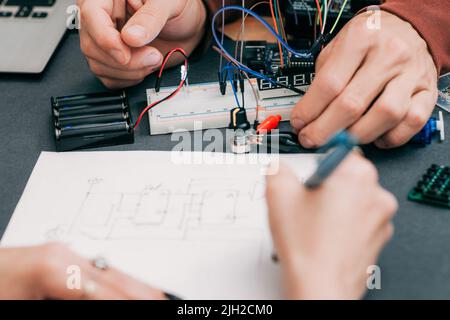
{"x": 204, "y": 104}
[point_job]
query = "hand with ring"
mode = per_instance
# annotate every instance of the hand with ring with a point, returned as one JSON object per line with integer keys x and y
{"x": 43, "y": 272}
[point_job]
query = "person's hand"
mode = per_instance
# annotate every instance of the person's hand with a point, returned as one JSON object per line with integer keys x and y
{"x": 41, "y": 272}
{"x": 123, "y": 59}
{"x": 381, "y": 84}
{"x": 327, "y": 238}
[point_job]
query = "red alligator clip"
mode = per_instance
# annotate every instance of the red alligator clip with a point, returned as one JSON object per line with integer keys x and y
{"x": 269, "y": 124}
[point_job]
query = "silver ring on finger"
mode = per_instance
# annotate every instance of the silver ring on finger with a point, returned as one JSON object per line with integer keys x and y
{"x": 100, "y": 263}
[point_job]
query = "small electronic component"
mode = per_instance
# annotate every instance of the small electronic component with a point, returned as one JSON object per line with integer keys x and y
{"x": 264, "y": 139}
{"x": 91, "y": 120}
{"x": 433, "y": 126}
{"x": 242, "y": 142}
{"x": 238, "y": 119}
{"x": 444, "y": 92}
{"x": 273, "y": 142}
{"x": 434, "y": 187}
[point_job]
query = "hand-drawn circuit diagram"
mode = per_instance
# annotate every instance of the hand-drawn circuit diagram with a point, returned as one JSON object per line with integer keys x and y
{"x": 215, "y": 209}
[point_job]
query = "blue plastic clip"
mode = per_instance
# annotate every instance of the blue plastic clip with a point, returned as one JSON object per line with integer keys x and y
{"x": 433, "y": 126}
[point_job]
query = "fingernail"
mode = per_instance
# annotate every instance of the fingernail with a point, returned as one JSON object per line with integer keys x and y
{"x": 306, "y": 142}
{"x": 152, "y": 59}
{"x": 118, "y": 56}
{"x": 138, "y": 32}
{"x": 297, "y": 123}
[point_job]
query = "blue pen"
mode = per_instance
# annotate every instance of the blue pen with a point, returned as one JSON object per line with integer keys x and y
{"x": 343, "y": 143}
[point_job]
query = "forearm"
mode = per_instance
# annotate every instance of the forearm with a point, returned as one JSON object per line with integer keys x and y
{"x": 430, "y": 19}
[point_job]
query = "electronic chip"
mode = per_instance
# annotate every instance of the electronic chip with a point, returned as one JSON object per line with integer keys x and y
{"x": 434, "y": 187}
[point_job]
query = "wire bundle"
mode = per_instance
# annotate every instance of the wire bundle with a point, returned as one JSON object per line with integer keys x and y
{"x": 322, "y": 14}
{"x": 240, "y": 66}
{"x": 158, "y": 81}
{"x": 284, "y": 48}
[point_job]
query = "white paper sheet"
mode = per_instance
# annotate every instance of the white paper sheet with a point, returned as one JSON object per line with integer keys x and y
{"x": 199, "y": 231}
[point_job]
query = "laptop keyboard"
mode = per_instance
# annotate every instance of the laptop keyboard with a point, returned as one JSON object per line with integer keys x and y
{"x": 34, "y": 9}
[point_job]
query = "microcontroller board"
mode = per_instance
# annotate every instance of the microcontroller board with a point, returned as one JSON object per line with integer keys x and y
{"x": 264, "y": 58}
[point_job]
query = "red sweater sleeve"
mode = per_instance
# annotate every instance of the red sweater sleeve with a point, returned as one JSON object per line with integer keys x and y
{"x": 431, "y": 19}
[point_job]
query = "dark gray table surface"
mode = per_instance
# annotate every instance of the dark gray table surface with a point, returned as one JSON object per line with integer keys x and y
{"x": 415, "y": 264}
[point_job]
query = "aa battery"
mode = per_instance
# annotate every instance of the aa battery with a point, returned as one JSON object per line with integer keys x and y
{"x": 88, "y": 99}
{"x": 91, "y": 119}
{"x": 91, "y": 129}
{"x": 78, "y": 110}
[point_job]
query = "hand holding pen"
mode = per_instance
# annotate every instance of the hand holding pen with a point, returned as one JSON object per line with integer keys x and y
{"x": 327, "y": 237}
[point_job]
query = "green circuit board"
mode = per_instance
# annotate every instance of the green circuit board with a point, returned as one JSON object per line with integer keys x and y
{"x": 434, "y": 187}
